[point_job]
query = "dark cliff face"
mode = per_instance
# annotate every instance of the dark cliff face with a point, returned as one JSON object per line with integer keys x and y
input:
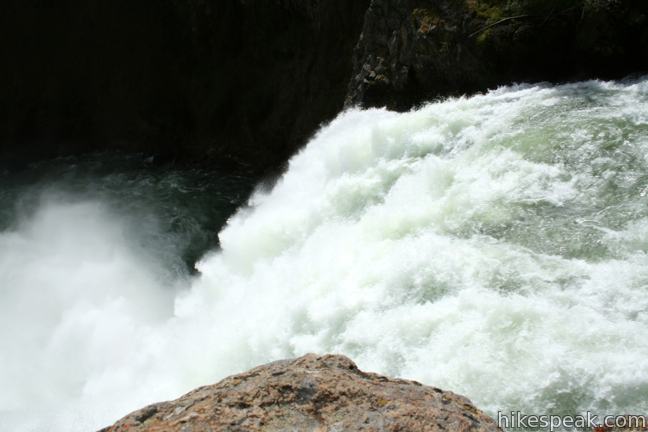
{"x": 411, "y": 51}
{"x": 88, "y": 75}
{"x": 230, "y": 82}
{"x": 244, "y": 83}
{"x": 266, "y": 74}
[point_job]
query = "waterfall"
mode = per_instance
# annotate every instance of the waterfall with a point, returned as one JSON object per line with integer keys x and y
{"x": 494, "y": 245}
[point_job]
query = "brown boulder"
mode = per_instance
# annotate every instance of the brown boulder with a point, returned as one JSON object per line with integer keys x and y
{"x": 311, "y": 393}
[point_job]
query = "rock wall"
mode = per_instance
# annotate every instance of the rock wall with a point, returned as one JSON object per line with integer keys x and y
{"x": 239, "y": 83}
{"x": 311, "y": 393}
{"x": 411, "y": 51}
{"x": 244, "y": 83}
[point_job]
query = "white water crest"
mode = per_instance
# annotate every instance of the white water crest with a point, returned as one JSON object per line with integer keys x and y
{"x": 495, "y": 246}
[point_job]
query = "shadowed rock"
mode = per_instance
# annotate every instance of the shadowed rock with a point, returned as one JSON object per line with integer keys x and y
{"x": 412, "y": 51}
{"x": 245, "y": 83}
{"x": 311, "y": 393}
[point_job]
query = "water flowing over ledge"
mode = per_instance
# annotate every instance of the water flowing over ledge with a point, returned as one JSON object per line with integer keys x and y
{"x": 494, "y": 245}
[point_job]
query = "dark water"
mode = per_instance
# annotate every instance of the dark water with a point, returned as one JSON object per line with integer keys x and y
{"x": 178, "y": 211}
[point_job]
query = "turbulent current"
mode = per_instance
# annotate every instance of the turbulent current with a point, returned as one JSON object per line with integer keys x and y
{"x": 496, "y": 246}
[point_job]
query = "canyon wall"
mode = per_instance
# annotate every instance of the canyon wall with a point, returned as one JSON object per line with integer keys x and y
{"x": 244, "y": 83}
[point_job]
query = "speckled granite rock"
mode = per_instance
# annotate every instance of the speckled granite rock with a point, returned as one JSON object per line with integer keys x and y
{"x": 311, "y": 393}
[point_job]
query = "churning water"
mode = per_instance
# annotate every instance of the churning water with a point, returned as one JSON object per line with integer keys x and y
{"x": 496, "y": 246}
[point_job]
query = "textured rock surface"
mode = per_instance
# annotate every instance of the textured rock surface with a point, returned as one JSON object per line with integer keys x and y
{"x": 311, "y": 393}
{"x": 415, "y": 50}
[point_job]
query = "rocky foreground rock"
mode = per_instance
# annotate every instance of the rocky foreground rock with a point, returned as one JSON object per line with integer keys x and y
{"x": 311, "y": 393}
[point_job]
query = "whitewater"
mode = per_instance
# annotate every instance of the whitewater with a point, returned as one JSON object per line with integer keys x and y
{"x": 494, "y": 245}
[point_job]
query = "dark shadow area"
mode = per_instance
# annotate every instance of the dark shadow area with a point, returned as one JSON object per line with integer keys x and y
{"x": 237, "y": 85}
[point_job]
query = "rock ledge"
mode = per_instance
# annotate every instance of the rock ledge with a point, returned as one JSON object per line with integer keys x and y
{"x": 310, "y": 393}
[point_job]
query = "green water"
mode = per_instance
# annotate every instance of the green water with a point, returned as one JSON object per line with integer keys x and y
{"x": 494, "y": 245}
{"x": 177, "y": 210}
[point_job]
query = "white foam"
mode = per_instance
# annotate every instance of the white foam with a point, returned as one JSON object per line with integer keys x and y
{"x": 493, "y": 245}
